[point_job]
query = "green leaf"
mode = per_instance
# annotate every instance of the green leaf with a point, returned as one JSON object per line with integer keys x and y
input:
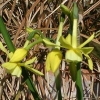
{"x": 87, "y": 50}
{"x": 64, "y": 44}
{"x": 73, "y": 70}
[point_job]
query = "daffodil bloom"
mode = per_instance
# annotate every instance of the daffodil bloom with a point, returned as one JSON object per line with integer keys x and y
{"x": 14, "y": 65}
{"x": 74, "y": 52}
{"x": 53, "y": 60}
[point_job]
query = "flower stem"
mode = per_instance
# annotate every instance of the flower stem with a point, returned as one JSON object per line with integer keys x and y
{"x": 57, "y": 73}
{"x": 33, "y": 44}
{"x": 79, "y": 83}
{"x": 58, "y": 84}
{"x": 60, "y": 30}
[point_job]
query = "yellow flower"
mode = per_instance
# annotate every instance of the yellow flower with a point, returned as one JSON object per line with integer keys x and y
{"x": 53, "y": 60}
{"x": 14, "y": 65}
{"x": 74, "y": 52}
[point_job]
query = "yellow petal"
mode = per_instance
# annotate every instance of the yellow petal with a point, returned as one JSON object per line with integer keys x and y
{"x": 33, "y": 70}
{"x": 90, "y": 63}
{"x": 18, "y": 55}
{"x": 87, "y": 41}
{"x": 56, "y": 61}
{"x": 17, "y": 71}
{"x": 31, "y": 61}
{"x": 10, "y": 55}
{"x": 53, "y": 60}
{"x": 68, "y": 39}
{"x": 12, "y": 68}
{"x": 9, "y": 66}
{"x": 72, "y": 55}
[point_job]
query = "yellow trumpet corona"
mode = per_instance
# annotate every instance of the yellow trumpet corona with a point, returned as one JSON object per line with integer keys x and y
{"x": 53, "y": 60}
{"x": 18, "y": 55}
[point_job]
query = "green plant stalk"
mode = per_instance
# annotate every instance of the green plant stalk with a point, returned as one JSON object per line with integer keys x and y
{"x": 57, "y": 73}
{"x": 11, "y": 48}
{"x": 58, "y": 84}
{"x": 78, "y": 66}
{"x": 33, "y": 44}
{"x": 79, "y": 83}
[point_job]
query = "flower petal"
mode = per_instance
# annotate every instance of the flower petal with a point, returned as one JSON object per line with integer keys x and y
{"x": 90, "y": 63}
{"x": 87, "y": 50}
{"x": 18, "y": 55}
{"x": 87, "y": 41}
{"x": 53, "y": 60}
{"x": 64, "y": 44}
{"x": 68, "y": 39}
{"x": 17, "y": 71}
{"x": 30, "y": 61}
{"x": 12, "y": 68}
{"x": 73, "y": 55}
{"x": 9, "y": 66}
{"x": 56, "y": 58}
{"x": 10, "y": 54}
{"x": 33, "y": 70}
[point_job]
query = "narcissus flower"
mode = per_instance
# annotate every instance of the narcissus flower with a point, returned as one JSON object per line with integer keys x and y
{"x": 53, "y": 60}
{"x": 14, "y": 65}
{"x": 74, "y": 52}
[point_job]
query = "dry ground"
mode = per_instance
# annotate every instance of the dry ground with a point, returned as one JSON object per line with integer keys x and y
{"x": 44, "y": 15}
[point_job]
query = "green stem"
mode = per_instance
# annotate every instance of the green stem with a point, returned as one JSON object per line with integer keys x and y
{"x": 11, "y": 48}
{"x": 79, "y": 83}
{"x": 33, "y": 44}
{"x": 60, "y": 30}
{"x": 57, "y": 73}
{"x": 58, "y": 84}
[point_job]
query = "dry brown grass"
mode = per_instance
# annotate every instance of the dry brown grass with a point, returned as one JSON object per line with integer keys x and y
{"x": 44, "y": 15}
